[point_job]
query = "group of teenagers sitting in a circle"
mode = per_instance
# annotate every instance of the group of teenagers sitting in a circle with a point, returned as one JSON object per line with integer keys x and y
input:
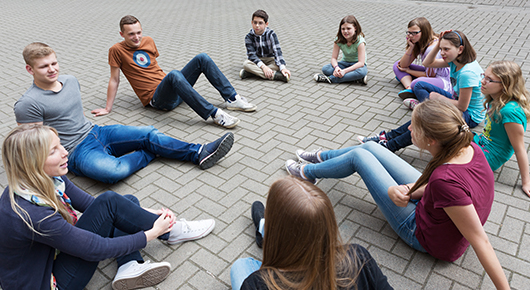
{"x": 440, "y": 211}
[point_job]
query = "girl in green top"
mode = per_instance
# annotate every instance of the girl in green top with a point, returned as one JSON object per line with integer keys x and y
{"x": 352, "y": 67}
{"x": 507, "y": 104}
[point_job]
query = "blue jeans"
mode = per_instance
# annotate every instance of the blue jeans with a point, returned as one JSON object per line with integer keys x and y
{"x": 111, "y": 153}
{"x": 399, "y": 138}
{"x": 379, "y": 169}
{"x": 110, "y": 215}
{"x": 241, "y": 269}
{"x": 177, "y": 86}
{"x": 348, "y": 77}
{"x": 422, "y": 90}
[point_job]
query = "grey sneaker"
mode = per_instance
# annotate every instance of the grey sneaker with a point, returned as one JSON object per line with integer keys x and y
{"x": 280, "y": 77}
{"x": 410, "y": 103}
{"x": 243, "y": 74}
{"x": 295, "y": 169}
{"x": 309, "y": 156}
{"x": 321, "y": 78}
{"x": 376, "y": 138}
{"x": 223, "y": 119}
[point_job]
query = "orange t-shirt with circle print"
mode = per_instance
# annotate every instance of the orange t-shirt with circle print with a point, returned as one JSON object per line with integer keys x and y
{"x": 139, "y": 66}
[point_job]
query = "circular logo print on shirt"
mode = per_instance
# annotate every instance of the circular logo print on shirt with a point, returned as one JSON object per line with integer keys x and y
{"x": 141, "y": 58}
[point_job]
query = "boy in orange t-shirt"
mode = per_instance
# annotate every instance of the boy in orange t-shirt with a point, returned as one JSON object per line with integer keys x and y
{"x": 136, "y": 57}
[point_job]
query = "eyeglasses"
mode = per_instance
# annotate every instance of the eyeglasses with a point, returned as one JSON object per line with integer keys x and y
{"x": 412, "y": 32}
{"x": 488, "y": 80}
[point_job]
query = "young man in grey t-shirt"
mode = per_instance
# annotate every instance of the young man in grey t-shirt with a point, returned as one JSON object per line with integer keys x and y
{"x": 104, "y": 153}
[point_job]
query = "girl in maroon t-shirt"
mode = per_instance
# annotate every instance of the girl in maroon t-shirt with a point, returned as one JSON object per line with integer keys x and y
{"x": 441, "y": 211}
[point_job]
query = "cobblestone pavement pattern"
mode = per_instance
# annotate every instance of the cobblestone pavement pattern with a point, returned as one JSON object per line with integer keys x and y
{"x": 299, "y": 114}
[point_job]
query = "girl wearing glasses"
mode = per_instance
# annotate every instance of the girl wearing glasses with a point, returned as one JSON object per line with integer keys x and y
{"x": 465, "y": 72}
{"x": 352, "y": 66}
{"x": 507, "y": 111}
{"x": 421, "y": 40}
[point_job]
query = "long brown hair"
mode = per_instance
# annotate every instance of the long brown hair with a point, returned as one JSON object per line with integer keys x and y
{"x": 24, "y": 153}
{"x": 440, "y": 121}
{"x": 302, "y": 248}
{"x": 427, "y": 35}
{"x": 513, "y": 89}
{"x": 358, "y": 31}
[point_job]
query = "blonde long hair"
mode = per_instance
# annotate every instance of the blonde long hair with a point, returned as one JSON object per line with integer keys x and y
{"x": 441, "y": 121}
{"x": 24, "y": 152}
{"x": 302, "y": 248}
{"x": 514, "y": 89}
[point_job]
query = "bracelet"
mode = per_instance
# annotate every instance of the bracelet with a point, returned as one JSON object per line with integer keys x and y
{"x": 335, "y": 67}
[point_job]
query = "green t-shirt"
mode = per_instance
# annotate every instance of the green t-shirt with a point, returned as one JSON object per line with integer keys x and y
{"x": 494, "y": 140}
{"x": 350, "y": 53}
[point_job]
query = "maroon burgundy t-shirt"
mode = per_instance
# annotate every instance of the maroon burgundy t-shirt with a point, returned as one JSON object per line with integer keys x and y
{"x": 453, "y": 185}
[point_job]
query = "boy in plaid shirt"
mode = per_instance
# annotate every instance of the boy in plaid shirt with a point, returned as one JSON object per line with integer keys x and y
{"x": 264, "y": 54}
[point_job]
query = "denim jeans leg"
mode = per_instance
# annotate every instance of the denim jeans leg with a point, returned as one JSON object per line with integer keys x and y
{"x": 174, "y": 89}
{"x": 328, "y": 70}
{"x": 399, "y": 138}
{"x": 202, "y": 63}
{"x": 379, "y": 169}
{"x": 241, "y": 269}
{"x": 350, "y": 76}
{"x": 107, "y": 212}
{"x": 422, "y": 91}
{"x": 111, "y": 153}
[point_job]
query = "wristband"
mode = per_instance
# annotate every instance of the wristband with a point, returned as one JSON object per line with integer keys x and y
{"x": 335, "y": 67}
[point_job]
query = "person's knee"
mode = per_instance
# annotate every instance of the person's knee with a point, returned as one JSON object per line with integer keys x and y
{"x": 176, "y": 77}
{"x": 132, "y": 198}
{"x": 107, "y": 197}
{"x": 203, "y": 57}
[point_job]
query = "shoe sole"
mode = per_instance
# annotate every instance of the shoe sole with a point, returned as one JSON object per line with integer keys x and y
{"x": 204, "y": 234}
{"x": 222, "y": 149}
{"x": 407, "y": 95}
{"x": 148, "y": 278}
{"x": 252, "y": 109}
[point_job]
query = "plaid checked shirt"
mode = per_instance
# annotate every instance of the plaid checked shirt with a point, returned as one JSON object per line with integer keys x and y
{"x": 265, "y": 45}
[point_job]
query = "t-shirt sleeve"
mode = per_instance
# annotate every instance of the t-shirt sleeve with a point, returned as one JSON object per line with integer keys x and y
{"x": 513, "y": 114}
{"x": 28, "y": 111}
{"x": 114, "y": 56}
{"x": 447, "y": 193}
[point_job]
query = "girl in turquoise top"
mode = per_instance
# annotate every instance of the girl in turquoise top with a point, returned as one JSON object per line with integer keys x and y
{"x": 352, "y": 67}
{"x": 507, "y": 111}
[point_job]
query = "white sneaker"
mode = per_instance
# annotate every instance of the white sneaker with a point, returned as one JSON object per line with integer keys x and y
{"x": 191, "y": 230}
{"x": 134, "y": 275}
{"x": 223, "y": 119}
{"x": 240, "y": 104}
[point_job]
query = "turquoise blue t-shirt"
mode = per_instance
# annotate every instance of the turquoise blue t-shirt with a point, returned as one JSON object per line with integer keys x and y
{"x": 494, "y": 140}
{"x": 350, "y": 53}
{"x": 467, "y": 77}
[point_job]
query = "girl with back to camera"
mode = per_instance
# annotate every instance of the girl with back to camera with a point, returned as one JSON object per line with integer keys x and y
{"x": 421, "y": 40}
{"x": 352, "y": 67}
{"x": 302, "y": 247}
{"x": 43, "y": 243}
{"x": 507, "y": 103}
{"x": 457, "y": 54}
{"x": 441, "y": 211}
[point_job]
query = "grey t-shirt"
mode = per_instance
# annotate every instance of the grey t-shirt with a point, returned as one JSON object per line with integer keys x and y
{"x": 62, "y": 110}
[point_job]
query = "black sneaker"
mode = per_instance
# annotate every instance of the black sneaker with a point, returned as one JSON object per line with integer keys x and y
{"x": 210, "y": 153}
{"x": 258, "y": 212}
{"x": 280, "y": 77}
{"x": 321, "y": 78}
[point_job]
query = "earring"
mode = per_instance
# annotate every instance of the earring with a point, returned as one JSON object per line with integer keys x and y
{"x": 428, "y": 144}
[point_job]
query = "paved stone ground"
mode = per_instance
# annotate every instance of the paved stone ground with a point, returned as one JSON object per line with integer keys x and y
{"x": 300, "y": 114}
